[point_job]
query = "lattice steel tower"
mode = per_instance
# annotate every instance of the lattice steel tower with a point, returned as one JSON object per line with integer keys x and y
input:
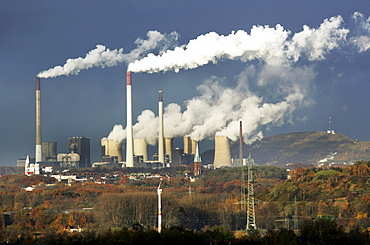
{"x": 251, "y": 215}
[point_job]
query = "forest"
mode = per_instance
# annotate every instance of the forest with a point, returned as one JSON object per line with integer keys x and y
{"x": 286, "y": 203}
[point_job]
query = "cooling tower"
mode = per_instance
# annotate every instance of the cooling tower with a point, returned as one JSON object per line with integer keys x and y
{"x": 38, "y": 148}
{"x": 222, "y": 152}
{"x": 141, "y": 148}
{"x": 129, "y": 139}
{"x": 187, "y": 145}
{"x": 112, "y": 148}
{"x": 168, "y": 145}
{"x": 161, "y": 134}
{"x": 193, "y": 147}
{"x": 190, "y": 146}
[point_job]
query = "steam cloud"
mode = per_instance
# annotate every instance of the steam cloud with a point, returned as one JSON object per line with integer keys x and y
{"x": 104, "y": 57}
{"x": 271, "y": 45}
{"x": 218, "y": 109}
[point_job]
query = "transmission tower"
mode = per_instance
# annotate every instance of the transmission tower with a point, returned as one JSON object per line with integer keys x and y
{"x": 295, "y": 227}
{"x": 242, "y": 186}
{"x": 251, "y": 215}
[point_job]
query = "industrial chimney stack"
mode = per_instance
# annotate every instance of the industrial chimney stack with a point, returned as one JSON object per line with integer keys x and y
{"x": 38, "y": 151}
{"x": 161, "y": 133}
{"x": 129, "y": 139}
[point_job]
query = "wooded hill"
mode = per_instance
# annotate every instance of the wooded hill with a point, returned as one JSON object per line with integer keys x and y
{"x": 301, "y": 147}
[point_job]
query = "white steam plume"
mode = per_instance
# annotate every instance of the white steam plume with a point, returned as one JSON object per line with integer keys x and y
{"x": 271, "y": 45}
{"x": 104, "y": 57}
{"x": 118, "y": 133}
{"x": 218, "y": 109}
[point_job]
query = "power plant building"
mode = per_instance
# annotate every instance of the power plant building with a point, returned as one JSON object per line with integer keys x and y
{"x": 81, "y": 146}
{"x": 49, "y": 151}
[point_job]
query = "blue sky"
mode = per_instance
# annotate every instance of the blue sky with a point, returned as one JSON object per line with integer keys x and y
{"x": 38, "y": 35}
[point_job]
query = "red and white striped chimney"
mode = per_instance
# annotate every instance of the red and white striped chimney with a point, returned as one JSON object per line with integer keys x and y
{"x": 129, "y": 139}
{"x": 161, "y": 133}
{"x": 38, "y": 151}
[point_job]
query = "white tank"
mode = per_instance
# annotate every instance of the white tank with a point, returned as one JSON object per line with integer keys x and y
{"x": 222, "y": 152}
{"x": 141, "y": 148}
{"x": 113, "y": 148}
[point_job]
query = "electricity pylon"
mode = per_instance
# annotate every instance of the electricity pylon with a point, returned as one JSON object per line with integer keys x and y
{"x": 251, "y": 215}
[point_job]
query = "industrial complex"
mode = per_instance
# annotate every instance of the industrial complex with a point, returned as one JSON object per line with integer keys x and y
{"x": 78, "y": 154}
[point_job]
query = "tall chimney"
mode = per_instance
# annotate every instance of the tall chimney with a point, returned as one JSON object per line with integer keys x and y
{"x": 38, "y": 152}
{"x": 129, "y": 139}
{"x": 241, "y": 144}
{"x": 222, "y": 152}
{"x": 161, "y": 134}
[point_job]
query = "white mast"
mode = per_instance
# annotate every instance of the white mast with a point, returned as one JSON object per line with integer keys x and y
{"x": 159, "y": 191}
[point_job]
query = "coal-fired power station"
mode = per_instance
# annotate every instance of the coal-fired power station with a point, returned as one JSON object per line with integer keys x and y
{"x": 136, "y": 149}
{"x": 38, "y": 148}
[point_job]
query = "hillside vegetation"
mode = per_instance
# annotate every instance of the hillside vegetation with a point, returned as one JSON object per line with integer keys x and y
{"x": 305, "y": 147}
{"x": 216, "y": 199}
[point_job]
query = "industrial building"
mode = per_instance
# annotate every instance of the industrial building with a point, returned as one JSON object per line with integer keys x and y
{"x": 81, "y": 146}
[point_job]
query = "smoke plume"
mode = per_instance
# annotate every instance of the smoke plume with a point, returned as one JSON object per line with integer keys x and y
{"x": 104, "y": 57}
{"x": 271, "y": 45}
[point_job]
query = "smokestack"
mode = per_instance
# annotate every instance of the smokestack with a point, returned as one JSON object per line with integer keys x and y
{"x": 38, "y": 150}
{"x": 222, "y": 152}
{"x": 141, "y": 148}
{"x": 241, "y": 144}
{"x": 129, "y": 139}
{"x": 161, "y": 134}
{"x": 112, "y": 148}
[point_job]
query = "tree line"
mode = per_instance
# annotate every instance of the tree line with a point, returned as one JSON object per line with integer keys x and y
{"x": 283, "y": 201}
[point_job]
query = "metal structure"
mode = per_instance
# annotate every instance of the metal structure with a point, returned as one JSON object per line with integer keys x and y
{"x": 251, "y": 215}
